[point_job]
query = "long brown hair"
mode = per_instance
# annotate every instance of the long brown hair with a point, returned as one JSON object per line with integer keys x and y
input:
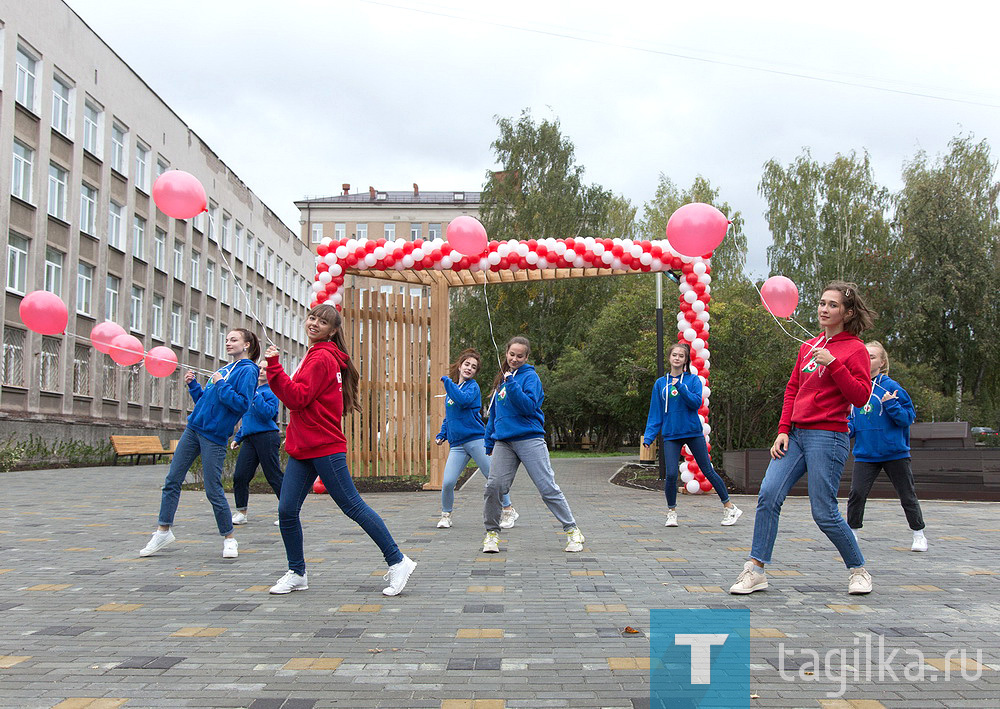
{"x": 351, "y": 376}
{"x": 253, "y": 353}
{"x": 504, "y": 367}
{"x": 469, "y": 353}
{"x": 687, "y": 356}
{"x": 858, "y": 317}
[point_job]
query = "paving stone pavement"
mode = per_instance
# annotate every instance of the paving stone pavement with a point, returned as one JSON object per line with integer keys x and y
{"x": 85, "y": 622}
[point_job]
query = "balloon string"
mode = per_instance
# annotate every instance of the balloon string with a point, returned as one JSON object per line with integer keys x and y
{"x": 489, "y": 319}
{"x": 768, "y": 309}
{"x": 246, "y": 297}
{"x": 122, "y": 349}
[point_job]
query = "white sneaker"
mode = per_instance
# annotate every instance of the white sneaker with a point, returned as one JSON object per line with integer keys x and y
{"x": 291, "y": 581}
{"x": 159, "y": 540}
{"x": 491, "y": 543}
{"x": 860, "y": 582}
{"x": 919, "y": 542}
{"x": 277, "y": 522}
{"x": 508, "y": 517}
{"x": 445, "y": 520}
{"x": 239, "y": 517}
{"x": 574, "y": 539}
{"x": 230, "y": 549}
{"x": 751, "y": 579}
{"x": 671, "y": 518}
{"x": 397, "y": 576}
{"x": 730, "y": 515}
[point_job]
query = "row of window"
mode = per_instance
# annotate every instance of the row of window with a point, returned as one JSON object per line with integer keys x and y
{"x": 388, "y": 231}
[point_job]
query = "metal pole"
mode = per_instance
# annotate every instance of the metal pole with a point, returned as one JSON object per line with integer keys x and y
{"x": 659, "y": 364}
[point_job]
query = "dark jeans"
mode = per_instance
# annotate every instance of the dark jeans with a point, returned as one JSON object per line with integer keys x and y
{"x": 257, "y": 449}
{"x": 190, "y": 446}
{"x": 901, "y": 478}
{"x": 332, "y": 470}
{"x": 698, "y": 448}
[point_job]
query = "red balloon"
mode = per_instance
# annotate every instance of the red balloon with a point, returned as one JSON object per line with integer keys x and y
{"x": 126, "y": 350}
{"x": 161, "y": 361}
{"x": 44, "y": 312}
{"x": 467, "y": 236}
{"x": 103, "y": 333}
{"x": 706, "y": 486}
{"x": 696, "y": 228}
{"x": 318, "y": 487}
{"x": 179, "y": 194}
{"x": 322, "y": 249}
{"x": 780, "y": 296}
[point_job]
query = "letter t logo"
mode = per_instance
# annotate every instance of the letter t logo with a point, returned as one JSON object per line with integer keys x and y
{"x": 701, "y": 653}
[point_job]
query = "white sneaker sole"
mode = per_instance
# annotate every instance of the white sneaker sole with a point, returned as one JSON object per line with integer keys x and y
{"x": 147, "y": 551}
{"x": 443, "y": 525}
{"x": 748, "y": 591}
{"x": 390, "y": 592}
{"x": 859, "y": 592}
{"x": 282, "y": 592}
{"x": 731, "y": 522}
{"x": 670, "y": 523}
{"x": 242, "y": 521}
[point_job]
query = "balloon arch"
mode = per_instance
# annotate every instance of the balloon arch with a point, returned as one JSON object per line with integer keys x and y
{"x": 435, "y": 264}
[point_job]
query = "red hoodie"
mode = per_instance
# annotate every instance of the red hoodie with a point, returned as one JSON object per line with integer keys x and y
{"x": 821, "y": 397}
{"x": 314, "y": 397}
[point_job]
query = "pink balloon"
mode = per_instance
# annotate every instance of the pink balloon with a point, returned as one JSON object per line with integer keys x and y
{"x": 103, "y": 333}
{"x": 44, "y": 312}
{"x": 126, "y": 350}
{"x": 467, "y": 236}
{"x": 780, "y": 296}
{"x": 178, "y": 194}
{"x": 696, "y": 228}
{"x": 161, "y": 361}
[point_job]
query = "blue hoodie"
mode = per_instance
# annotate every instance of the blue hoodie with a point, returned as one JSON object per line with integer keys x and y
{"x": 881, "y": 430}
{"x": 462, "y": 421}
{"x": 675, "y": 416}
{"x": 516, "y": 410}
{"x": 261, "y": 416}
{"x": 219, "y": 407}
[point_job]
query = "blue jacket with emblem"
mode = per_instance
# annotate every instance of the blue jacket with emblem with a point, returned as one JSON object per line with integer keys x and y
{"x": 219, "y": 406}
{"x": 673, "y": 409}
{"x": 516, "y": 409}
{"x": 462, "y": 420}
{"x": 881, "y": 429}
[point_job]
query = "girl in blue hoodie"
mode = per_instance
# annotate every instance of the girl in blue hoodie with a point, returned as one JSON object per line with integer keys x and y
{"x": 515, "y": 435}
{"x": 673, "y": 412}
{"x": 258, "y": 439}
{"x": 217, "y": 409}
{"x": 881, "y": 433}
{"x": 464, "y": 430}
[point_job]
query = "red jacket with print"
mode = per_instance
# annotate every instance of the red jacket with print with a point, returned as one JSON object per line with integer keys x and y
{"x": 314, "y": 397}
{"x": 820, "y": 397}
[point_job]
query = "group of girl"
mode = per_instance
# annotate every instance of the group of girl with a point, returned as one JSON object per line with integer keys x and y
{"x": 828, "y": 399}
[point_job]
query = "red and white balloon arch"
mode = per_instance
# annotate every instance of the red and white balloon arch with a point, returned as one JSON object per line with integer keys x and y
{"x": 337, "y": 258}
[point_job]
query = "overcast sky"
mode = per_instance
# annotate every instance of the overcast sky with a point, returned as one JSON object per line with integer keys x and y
{"x": 300, "y": 96}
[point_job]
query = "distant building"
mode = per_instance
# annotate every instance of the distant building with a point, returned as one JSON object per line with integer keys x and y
{"x": 82, "y": 139}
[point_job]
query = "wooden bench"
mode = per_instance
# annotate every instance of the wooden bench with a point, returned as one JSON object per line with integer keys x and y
{"x": 138, "y": 446}
{"x": 943, "y": 434}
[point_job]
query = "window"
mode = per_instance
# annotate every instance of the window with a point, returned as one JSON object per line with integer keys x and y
{"x": 270, "y": 312}
{"x": 161, "y": 166}
{"x": 88, "y": 210}
{"x": 81, "y": 370}
{"x": 133, "y": 385}
{"x": 210, "y": 277}
{"x": 13, "y": 356}
{"x": 433, "y": 231}
{"x": 227, "y": 231}
{"x": 224, "y": 286}
{"x": 115, "y": 237}
{"x": 155, "y": 387}
{"x": 139, "y": 237}
{"x": 415, "y": 231}
{"x": 58, "y": 181}
{"x": 317, "y": 233}
{"x": 156, "y": 322}
{"x": 110, "y": 389}
{"x": 92, "y": 129}
{"x": 160, "y": 249}
{"x": 389, "y": 231}
{"x": 48, "y": 364}
{"x": 174, "y": 390}
{"x": 238, "y": 242}
{"x": 259, "y": 263}
{"x": 339, "y": 231}
{"x": 176, "y": 333}
{"x": 111, "y": 288}
{"x": 210, "y": 338}
{"x": 362, "y": 231}
{"x": 61, "y": 104}
{"x": 17, "y": 264}
{"x": 257, "y": 301}
{"x": 142, "y": 167}
{"x": 195, "y": 269}
{"x": 54, "y": 270}
{"x": 26, "y": 69}
{"x": 198, "y": 222}
{"x": 135, "y": 311}
{"x": 287, "y": 282}
{"x": 213, "y": 218}
{"x": 84, "y": 288}
{"x": 178, "y": 260}
{"x": 270, "y": 266}
{"x": 237, "y": 294}
{"x": 250, "y": 248}
{"x": 119, "y": 151}
{"x": 223, "y": 331}
{"x": 280, "y": 274}
{"x": 20, "y": 179}
{"x": 192, "y": 331}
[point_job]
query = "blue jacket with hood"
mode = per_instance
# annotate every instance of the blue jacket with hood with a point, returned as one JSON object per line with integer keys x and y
{"x": 881, "y": 429}
{"x": 219, "y": 406}
{"x": 261, "y": 415}
{"x": 516, "y": 408}
{"x": 462, "y": 421}
{"x": 673, "y": 409}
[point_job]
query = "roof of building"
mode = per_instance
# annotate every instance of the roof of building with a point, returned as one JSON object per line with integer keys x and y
{"x": 397, "y": 197}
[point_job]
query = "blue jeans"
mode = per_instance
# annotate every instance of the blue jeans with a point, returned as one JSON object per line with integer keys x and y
{"x": 332, "y": 470}
{"x": 458, "y": 458}
{"x": 671, "y": 454}
{"x": 532, "y": 453}
{"x": 257, "y": 449}
{"x": 190, "y": 446}
{"x": 823, "y": 454}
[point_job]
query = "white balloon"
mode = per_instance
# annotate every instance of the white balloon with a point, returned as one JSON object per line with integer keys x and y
{"x": 352, "y": 245}
{"x": 484, "y": 263}
{"x": 370, "y": 260}
{"x": 337, "y": 298}
{"x": 705, "y": 279}
{"x": 693, "y": 486}
{"x": 617, "y": 265}
{"x": 446, "y": 262}
{"x": 688, "y": 259}
{"x": 514, "y": 268}
{"x": 607, "y": 257}
{"x": 698, "y": 306}
{"x": 330, "y": 259}
{"x": 543, "y": 262}
{"x": 699, "y": 267}
{"x": 690, "y": 334}
{"x": 326, "y": 241}
{"x": 407, "y": 261}
{"x": 635, "y": 250}
{"x": 560, "y": 248}
{"x": 325, "y": 277}
{"x": 418, "y": 254}
{"x": 706, "y": 353}
{"x": 706, "y": 429}
{"x": 683, "y": 467}
{"x": 687, "y": 477}
{"x": 708, "y": 439}
{"x": 708, "y": 363}
{"x": 598, "y": 249}
{"x": 708, "y": 290}
{"x": 645, "y": 259}
{"x": 522, "y": 249}
{"x": 379, "y": 253}
{"x": 341, "y": 252}
{"x": 703, "y": 315}
{"x": 706, "y": 392}
{"x": 703, "y": 383}
{"x": 657, "y": 264}
{"x": 317, "y": 287}
{"x": 493, "y": 258}
{"x": 690, "y": 297}
{"x": 531, "y": 257}
{"x": 685, "y": 287}
{"x": 697, "y": 344}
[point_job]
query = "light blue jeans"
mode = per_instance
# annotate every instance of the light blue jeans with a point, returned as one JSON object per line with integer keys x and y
{"x": 190, "y": 446}
{"x": 532, "y": 453}
{"x": 458, "y": 458}
{"x": 823, "y": 454}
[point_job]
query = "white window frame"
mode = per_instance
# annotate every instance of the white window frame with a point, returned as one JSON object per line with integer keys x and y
{"x": 213, "y": 217}
{"x": 195, "y": 269}
{"x": 156, "y": 316}
{"x": 434, "y": 230}
{"x": 139, "y": 237}
{"x": 176, "y": 324}
{"x": 84, "y": 288}
{"x": 238, "y": 241}
{"x": 210, "y": 277}
{"x": 269, "y": 267}
{"x": 193, "y": 327}
{"x": 26, "y": 88}
{"x": 115, "y": 225}
{"x": 339, "y": 230}
{"x": 142, "y": 153}
{"x": 48, "y": 364}
{"x": 361, "y": 230}
{"x": 62, "y": 107}
{"x": 389, "y": 231}
{"x": 160, "y": 249}
{"x": 17, "y": 263}
{"x": 54, "y": 260}
{"x": 210, "y": 338}
{"x": 81, "y": 370}
{"x": 88, "y": 209}
{"x": 135, "y": 308}
{"x": 58, "y": 191}
{"x": 119, "y": 148}
{"x": 416, "y": 230}
{"x": 178, "y": 259}
{"x": 22, "y": 171}
{"x": 224, "y": 286}
{"x": 227, "y": 231}
{"x": 111, "y": 296}
{"x": 317, "y": 233}
{"x": 92, "y": 128}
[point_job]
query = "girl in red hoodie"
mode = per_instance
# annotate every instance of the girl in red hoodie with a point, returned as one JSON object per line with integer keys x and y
{"x": 316, "y": 395}
{"x": 831, "y": 373}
